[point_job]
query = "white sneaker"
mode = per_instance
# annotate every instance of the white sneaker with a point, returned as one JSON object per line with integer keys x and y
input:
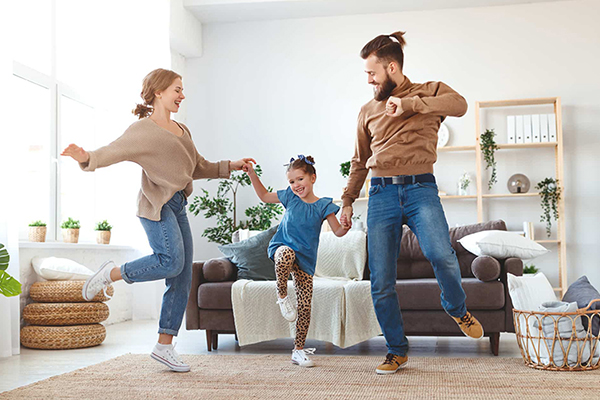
{"x": 300, "y": 357}
{"x": 287, "y": 308}
{"x": 167, "y": 355}
{"x": 97, "y": 282}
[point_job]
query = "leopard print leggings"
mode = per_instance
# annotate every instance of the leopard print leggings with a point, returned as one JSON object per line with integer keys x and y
{"x": 284, "y": 264}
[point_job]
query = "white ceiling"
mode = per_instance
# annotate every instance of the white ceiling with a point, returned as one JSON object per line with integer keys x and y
{"x": 218, "y": 11}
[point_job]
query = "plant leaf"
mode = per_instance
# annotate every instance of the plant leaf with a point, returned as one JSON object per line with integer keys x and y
{"x": 4, "y": 258}
{"x": 9, "y": 286}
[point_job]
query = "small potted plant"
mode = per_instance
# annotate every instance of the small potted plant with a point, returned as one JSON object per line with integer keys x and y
{"x": 357, "y": 223}
{"x": 550, "y": 195}
{"x": 103, "y": 232}
{"x": 530, "y": 269}
{"x": 37, "y": 231}
{"x": 463, "y": 184}
{"x": 488, "y": 148}
{"x": 70, "y": 230}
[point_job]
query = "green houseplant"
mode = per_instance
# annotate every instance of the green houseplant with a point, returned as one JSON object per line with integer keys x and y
{"x": 37, "y": 231}
{"x": 223, "y": 207}
{"x": 488, "y": 148}
{"x": 530, "y": 269}
{"x": 9, "y": 286}
{"x": 103, "y": 229}
{"x": 550, "y": 194}
{"x": 70, "y": 230}
{"x": 345, "y": 169}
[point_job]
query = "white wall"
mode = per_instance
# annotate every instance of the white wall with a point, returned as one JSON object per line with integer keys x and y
{"x": 273, "y": 89}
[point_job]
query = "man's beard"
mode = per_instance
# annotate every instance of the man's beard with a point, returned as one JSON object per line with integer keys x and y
{"x": 387, "y": 87}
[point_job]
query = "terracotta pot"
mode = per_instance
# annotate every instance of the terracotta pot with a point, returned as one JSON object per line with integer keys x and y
{"x": 37, "y": 233}
{"x": 103, "y": 237}
{"x": 70, "y": 235}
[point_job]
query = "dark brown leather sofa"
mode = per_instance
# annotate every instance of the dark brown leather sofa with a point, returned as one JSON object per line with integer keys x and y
{"x": 209, "y": 305}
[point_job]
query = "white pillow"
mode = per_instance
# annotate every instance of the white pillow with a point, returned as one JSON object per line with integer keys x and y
{"x": 343, "y": 257}
{"x": 502, "y": 244}
{"x": 529, "y": 292}
{"x": 60, "y": 269}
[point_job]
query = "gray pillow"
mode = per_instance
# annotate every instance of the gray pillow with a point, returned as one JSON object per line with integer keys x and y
{"x": 582, "y": 292}
{"x": 251, "y": 258}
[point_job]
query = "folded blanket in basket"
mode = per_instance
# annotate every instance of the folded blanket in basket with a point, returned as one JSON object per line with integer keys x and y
{"x": 561, "y": 331}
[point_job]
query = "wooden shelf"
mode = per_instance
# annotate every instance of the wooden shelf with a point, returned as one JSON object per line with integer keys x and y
{"x": 518, "y": 102}
{"x": 458, "y": 197}
{"x": 455, "y": 148}
{"x": 506, "y": 146}
{"x": 548, "y": 241}
{"x": 488, "y": 196}
{"x": 358, "y": 199}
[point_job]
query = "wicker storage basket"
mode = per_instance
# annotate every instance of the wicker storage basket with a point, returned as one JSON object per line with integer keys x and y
{"x": 37, "y": 233}
{"x": 572, "y": 353}
{"x": 65, "y": 313}
{"x": 62, "y": 337}
{"x": 63, "y": 292}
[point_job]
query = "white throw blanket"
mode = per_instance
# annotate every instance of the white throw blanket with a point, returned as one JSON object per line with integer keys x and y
{"x": 342, "y": 312}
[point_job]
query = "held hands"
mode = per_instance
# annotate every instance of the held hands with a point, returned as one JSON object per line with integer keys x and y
{"x": 239, "y": 164}
{"x": 77, "y": 153}
{"x": 393, "y": 107}
{"x": 248, "y": 168}
{"x": 346, "y": 217}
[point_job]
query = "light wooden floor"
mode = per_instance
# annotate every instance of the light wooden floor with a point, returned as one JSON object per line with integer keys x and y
{"x": 139, "y": 337}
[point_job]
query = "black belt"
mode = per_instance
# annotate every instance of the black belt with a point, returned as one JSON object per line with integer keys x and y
{"x": 402, "y": 179}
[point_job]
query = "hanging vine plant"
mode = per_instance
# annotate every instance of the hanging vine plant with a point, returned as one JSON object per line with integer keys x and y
{"x": 488, "y": 148}
{"x": 550, "y": 193}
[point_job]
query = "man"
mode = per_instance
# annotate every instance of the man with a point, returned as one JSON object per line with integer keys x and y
{"x": 396, "y": 139}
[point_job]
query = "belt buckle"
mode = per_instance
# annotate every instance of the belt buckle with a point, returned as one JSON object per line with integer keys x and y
{"x": 398, "y": 180}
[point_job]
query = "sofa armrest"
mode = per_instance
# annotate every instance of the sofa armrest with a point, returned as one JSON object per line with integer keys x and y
{"x": 219, "y": 270}
{"x": 191, "y": 311}
{"x": 514, "y": 266}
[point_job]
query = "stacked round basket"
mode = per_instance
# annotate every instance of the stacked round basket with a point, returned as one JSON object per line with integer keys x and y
{"x": 61, "y": 319}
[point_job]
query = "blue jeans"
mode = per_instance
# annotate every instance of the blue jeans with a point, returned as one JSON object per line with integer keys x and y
{"x": 173, "y": 247}
{"x": 417, "y": 205}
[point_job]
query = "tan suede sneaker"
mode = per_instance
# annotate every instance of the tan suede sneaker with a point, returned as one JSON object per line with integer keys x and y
{"x": 391, "y": 364}
{"x": 470, "y": 326}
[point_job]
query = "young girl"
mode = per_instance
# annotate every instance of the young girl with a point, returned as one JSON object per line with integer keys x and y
{"x": 170, "y": 162}
{"x": 294, "y": 246}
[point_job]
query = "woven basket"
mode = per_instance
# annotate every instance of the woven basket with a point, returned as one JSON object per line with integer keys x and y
{"x": 37, "y": 233}
{"x": 572, "y": 352}
{"x": 65, "y": 313}
{"x": 62, "y": 337}
{"x": 103, "y": 237}
{"x": 63, "y": 292}
{"x": 70, "y": 235}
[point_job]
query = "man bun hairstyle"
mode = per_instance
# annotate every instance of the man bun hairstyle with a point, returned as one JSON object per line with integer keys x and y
{"x": 386, "y": 48}
{"x": 156, "y": 81}
{"x": 306, "y": 164}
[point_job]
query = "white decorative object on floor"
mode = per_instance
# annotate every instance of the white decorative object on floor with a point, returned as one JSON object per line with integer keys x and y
{"x": 63, "y": 269}
{"x": 502, "y": 244}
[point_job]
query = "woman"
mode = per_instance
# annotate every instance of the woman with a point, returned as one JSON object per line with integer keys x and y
{"x": 170, "y": 162}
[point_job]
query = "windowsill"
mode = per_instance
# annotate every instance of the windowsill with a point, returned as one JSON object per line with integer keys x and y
{"x": 72, "y": 246}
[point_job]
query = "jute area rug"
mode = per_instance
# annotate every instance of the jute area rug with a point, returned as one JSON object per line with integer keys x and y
{"x": 136, "y": 376}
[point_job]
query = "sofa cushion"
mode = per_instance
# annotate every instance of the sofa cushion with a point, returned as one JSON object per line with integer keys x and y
{"x": 486, "y": 268}
{"x": 413, "y": 264}
{"x": 343, "y": 257}
{"x": 251, "y": 258}
{"x": 219, "y": 270}
{"x": 215, "y": 295}
{"x": 529, "y": 292}
{"x": 502, "y": 244}
{"x": 424, "y": 294}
